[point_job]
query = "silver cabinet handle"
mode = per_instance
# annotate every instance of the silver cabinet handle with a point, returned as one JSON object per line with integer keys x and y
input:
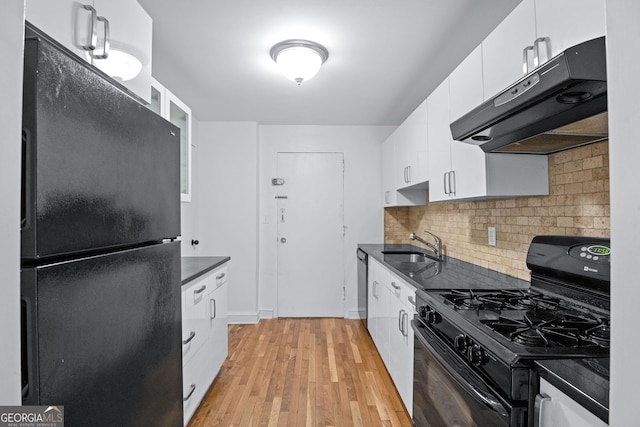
{"x": 374, "y": 289}
{"x": 405, "y": 324}
{"x": 405, "y": 174}
{"x": 412, "y": 300}
{"x": 201, "y": 290}
{"x": 536, "y": 51}
{"x": 445, "y": 183}
{"x": 408, "y": 174}
{"x": 541, "y": 399}
{"x": 400, "y": 317}
{"x": 93, "y": 28}
{"x": 395, "y": 286}
{"x": 213, "y": 309}
{"x": 193, "y": 388}
{"x": 105, "y": 44}
{"x": 192, "y": 335}
{"x": 452, "y": 188}
{"x": 220, "y": 276}
{"x": 283, "y": 240}
{"x": 525, "y": 59}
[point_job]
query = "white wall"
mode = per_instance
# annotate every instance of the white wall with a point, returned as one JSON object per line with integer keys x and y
{"x": 225, "y": 209}
{"x": 362, "y": 196}
{"x": 11, "y": 50}
{"x": 623, "y": 64}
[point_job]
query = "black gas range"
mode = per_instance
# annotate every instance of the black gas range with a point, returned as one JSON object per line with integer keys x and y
{"x": 482, "y": 343}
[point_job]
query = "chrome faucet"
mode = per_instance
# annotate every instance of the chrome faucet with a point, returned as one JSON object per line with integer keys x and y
{"x": 436, "y": 247}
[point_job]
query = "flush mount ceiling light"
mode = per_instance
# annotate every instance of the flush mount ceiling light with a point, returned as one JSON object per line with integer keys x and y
{"x": 120, "y": 65}
{"x": 299, "y": 60}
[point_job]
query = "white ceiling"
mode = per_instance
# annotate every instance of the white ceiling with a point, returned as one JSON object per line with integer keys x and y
{"x": 385, "y": 56}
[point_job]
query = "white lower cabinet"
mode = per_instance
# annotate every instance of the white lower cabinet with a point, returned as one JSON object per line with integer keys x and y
{"x": 390, "y": 311}
{"x": 557, "y": 409}
{"x": 204, "y": 335}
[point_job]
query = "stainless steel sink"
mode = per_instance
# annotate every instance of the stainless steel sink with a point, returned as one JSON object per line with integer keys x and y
{"x": 409, "y": 256}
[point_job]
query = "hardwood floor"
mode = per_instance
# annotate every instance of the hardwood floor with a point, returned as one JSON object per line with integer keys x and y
{"x": 302, "y": 372}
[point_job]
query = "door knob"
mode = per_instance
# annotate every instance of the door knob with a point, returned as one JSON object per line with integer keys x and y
{"x": 283, "y": 240}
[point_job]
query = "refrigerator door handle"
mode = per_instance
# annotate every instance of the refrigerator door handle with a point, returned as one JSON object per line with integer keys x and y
{"x": 27, "y": 179}
{"x": 28, "y": 330}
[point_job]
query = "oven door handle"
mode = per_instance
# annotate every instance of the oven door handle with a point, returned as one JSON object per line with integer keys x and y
{"x": 487, "y": 399}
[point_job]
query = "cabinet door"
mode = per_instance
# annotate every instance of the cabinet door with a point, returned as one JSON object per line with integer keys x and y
{"x": 439, "y": 135}
{"x": 465, "y": 85}
{"x": 586, "y": 22}
{"x": 502, "y": 49}
{"x": 218, "y": 344}
{"x": 130, "y": 33}
{"x": 561, "y": 410}
{"x": 373, "y": 305}
{"x": 66, "y": 21}
{"x": 416, "y": 139}
{"x": 405, "y": 371}
{"x": 178, "y": 113}
{"x": 157, "y": 103}
{"x": 388, "y": 168}
{"x": 467, "y": 160}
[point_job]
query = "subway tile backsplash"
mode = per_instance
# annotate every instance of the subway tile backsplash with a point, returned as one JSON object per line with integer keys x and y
{"x": 577, "y": 204}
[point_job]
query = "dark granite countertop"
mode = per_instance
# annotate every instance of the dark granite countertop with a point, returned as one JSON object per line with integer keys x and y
{"x": 449, "y": 273}
{"x": 194, "y": 267}
{"x": 584, "y": 380}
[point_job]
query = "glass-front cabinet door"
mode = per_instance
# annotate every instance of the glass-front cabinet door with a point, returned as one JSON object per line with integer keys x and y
{"x": 166, "y": 104}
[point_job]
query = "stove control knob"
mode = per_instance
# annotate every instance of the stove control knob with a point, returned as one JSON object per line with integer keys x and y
{"x": 423, "y": 311}
{"x": 460, "y": 342}
{"x": 475, "y": 354}
{"x": 432, "y": 316}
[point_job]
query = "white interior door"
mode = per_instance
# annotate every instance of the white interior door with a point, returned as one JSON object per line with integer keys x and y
{"x": 310, "y": 216}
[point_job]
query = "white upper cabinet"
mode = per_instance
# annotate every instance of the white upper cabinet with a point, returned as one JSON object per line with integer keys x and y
{"x": 81, "y": 27}
{"x": 569, "y": 22}
{"x": 439, "y": 142}
{"x": 531, "y": 25}
{"x": 463, "y": 171}
{"x": 466, "y": 85}
{"x": 468, "y": 175}
{"x": 130, "y": 33}
{"x": 405, "y": 166}
{"x": 66, "y": 21}
{"x": 169, "y": 106}
{"x": 502, "y": 50}
{"x": 412, "y": 166}
{"x": 392, "y": 196}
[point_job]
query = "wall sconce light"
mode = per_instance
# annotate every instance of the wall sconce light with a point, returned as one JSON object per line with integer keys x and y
{"x": 299, "y": 60}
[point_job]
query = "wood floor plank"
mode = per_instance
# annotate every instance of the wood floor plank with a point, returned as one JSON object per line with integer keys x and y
{"x": 302, "y": 372}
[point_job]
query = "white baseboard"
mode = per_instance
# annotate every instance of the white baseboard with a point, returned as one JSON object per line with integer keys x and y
{"x": 354, "y": 313}
{"x": 266, "y": 314}
{"x": 243, "y": 318}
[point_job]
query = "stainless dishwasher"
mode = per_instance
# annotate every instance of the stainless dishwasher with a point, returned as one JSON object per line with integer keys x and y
{"x": 362, "y": 285}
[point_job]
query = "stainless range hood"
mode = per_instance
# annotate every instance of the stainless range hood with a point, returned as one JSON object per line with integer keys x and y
{"x": 561, "y": 104}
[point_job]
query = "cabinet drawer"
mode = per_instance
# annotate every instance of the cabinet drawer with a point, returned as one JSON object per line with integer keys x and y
{"x": 220, "y": 276}
{"x": 194, "y": 386}
{"x": 195, "y": 315}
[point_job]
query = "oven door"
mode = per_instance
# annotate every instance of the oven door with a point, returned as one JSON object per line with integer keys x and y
{"x": 448, "y": 392}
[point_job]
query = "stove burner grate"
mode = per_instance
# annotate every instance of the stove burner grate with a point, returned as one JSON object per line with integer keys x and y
{"x": 545, "y": 329}
{"x": 501, "y": 300}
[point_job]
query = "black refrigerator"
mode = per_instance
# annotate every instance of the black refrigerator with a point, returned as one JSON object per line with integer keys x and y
{"x": 100, "y": 263}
